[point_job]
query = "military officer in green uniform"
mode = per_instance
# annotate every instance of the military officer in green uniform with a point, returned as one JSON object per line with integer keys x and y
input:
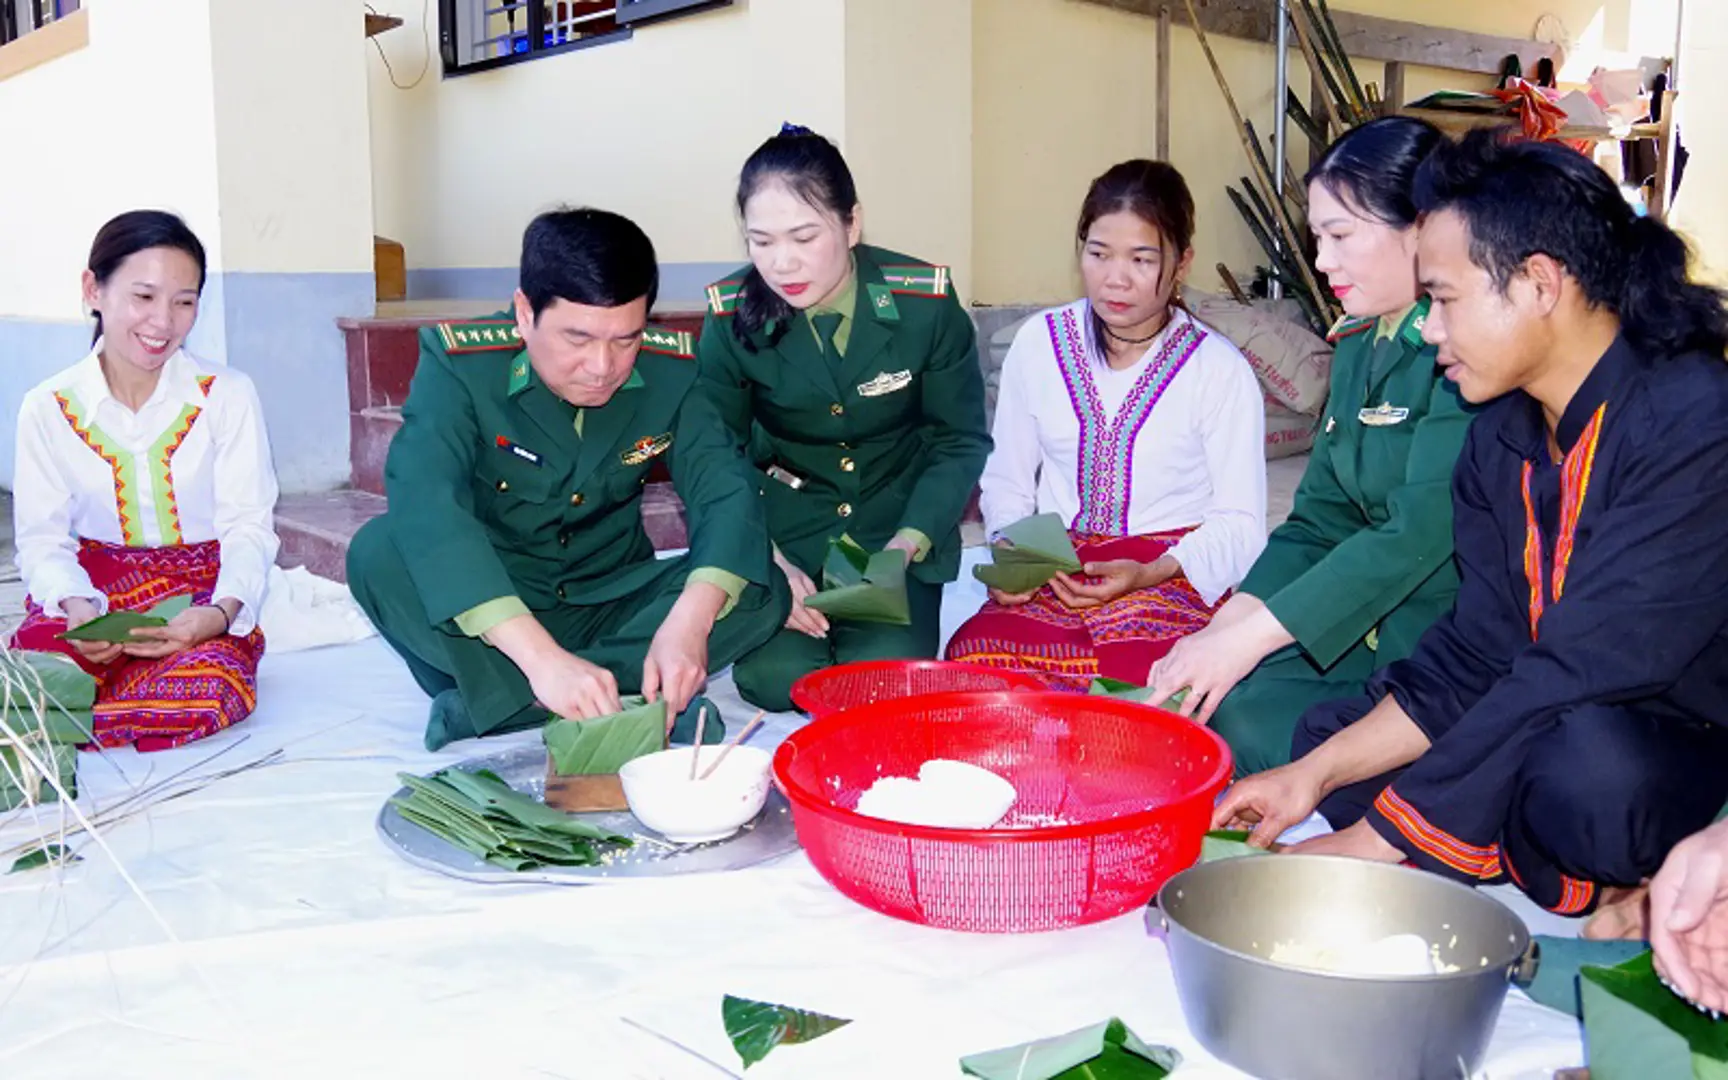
{"x": 851, "y": 374}
{"x": 511, "y": 571}
{"x": 1364, "y": 564}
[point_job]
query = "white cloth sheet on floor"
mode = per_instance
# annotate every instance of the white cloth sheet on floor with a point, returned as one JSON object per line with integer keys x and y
{"x": 306, "y": 947}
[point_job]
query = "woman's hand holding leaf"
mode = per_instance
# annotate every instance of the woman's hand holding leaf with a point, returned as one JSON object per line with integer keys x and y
{"x": 802, "y": 619}
{"x": 79, "y": 611}
{"x": 1270, "y": 802}
{"x": 1210, "y": 662}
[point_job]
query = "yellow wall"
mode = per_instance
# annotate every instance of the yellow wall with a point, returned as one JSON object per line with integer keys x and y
{"x": 1703, "y": 71}
{"x": 655, "y": 127}
{"x": 1064, "y": 89}
{"x": 909, "y": 127}
{"x": 295, "y": 151}
{"x": 124, "y": 123}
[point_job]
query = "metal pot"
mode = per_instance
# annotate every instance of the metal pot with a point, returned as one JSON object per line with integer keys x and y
{"x": 1221, "y": 920}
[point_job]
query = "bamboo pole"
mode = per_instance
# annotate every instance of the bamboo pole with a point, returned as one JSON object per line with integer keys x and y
{"x": 1339, "y": 127}
{"x": 1291, "y": 240}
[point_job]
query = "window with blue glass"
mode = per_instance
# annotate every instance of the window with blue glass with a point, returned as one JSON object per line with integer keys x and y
{"x": 476, "y": 35}
{"x": 19, "y": 17}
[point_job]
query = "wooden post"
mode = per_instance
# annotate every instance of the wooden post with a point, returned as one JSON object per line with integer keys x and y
{"x": 1663, "y": 189}
{"x": 1163, "y": 76}
{"x": 1394, "y": 95}
{"x": 1318, "y": 99}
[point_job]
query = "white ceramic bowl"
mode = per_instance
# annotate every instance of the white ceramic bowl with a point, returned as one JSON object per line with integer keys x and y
{"x": 664, "y": 798}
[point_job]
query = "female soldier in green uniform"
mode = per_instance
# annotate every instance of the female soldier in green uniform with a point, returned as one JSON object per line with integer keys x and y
{"x": 851, "y": 375}
{"x": 1364, "y": 564}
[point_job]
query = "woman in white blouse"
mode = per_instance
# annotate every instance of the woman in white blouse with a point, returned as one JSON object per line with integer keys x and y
{"x": 1144, "y": 430}
{"x": 143, "y": 475}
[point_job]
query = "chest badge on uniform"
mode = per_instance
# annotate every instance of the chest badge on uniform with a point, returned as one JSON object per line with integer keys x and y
{"x": 520, "y": 451}
{"x": 885, "y": 383}
{"x": 647, "y": 448}
{"x": 1383, "y": 415}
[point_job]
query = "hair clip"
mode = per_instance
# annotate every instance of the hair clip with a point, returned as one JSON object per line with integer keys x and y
{"x": 795, "y": 129}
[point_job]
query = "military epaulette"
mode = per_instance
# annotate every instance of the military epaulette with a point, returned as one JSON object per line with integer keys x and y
{"x": 679, "y": 343}
{"x": 491, "y": 335}
{"x": 1348, "y": 326}
{"x": 723, "y": 297}
{"x": 917, "y": 280}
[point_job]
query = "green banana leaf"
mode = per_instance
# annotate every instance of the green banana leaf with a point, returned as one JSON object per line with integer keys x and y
{"x": 1104, "y": 686}
{"x": 46, "y": 855}
{"x": 117, "y": 626}
{"x": 65, "y": 697}
{"x": 62, "y": 757}
{"x": 757, "y": 1027}
{"x": 1638, "y": 1029}
{"x": 1104, "y": 1051}
{"x": 479, "y": 813}
{"x": 602, "y": 746}
{"x": 1038, "y": 548}
{"x": 1227, "y": 844}
{"x": 862, "y": 587}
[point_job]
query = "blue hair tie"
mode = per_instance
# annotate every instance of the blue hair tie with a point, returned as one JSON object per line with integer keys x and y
{"x": 795, "y": 129}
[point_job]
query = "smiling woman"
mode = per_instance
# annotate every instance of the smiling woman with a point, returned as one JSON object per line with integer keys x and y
{"x": 144, "y": 475}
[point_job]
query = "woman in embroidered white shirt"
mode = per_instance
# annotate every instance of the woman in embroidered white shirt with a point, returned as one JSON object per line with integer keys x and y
{"x": 144, "y": 475}
{"x": 1144, "y": 430}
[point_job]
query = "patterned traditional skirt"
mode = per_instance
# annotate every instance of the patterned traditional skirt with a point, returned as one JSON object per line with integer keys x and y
{"x": 1068, "y": 648}
{"x": 157, "y": 704}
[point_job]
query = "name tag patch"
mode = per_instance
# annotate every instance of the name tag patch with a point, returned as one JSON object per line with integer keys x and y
{"x": 519, "y": 451}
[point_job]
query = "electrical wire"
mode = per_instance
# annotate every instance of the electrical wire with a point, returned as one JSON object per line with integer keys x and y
{"x": 426, "y": 36}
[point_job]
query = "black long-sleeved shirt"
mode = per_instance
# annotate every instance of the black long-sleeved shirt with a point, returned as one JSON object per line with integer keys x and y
{"x": 1642, "y": 620}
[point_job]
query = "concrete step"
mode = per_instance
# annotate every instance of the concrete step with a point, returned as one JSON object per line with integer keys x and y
{"x": 316, "y": 529}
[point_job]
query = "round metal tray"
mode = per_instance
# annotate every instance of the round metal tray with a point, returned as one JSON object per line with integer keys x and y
{"x": 769, "y": 836}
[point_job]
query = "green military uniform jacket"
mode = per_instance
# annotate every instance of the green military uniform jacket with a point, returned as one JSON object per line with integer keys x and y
{"x": 1367, "y": 548}
{"x": 888, "y": 436}
{"x": 494, "y": 494}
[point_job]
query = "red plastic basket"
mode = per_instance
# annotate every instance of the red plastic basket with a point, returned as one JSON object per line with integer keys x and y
{"x": 1131, "y": 787}
{"x": 847, "y": 686}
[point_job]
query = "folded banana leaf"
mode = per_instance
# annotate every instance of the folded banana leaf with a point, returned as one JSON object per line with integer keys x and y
{"x": 1638, "y": 1029}
{"x": 49, "y": 694}
{"x": 862, "y": 587}
{"x": 117, "y": 626}
{"x": 480, "y": 813}
{"x": 757, "y": 1027}
{"x": 602, "y": 746}
{"x": 1104, "y": 686}
{"x": 1104, "y": 1050}
{"x": 1038, "y": 548}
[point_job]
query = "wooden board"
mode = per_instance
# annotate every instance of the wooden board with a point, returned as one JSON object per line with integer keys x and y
{"x": 1365, "y": 36}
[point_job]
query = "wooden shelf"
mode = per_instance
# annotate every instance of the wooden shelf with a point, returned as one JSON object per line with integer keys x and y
{"x": 377, "y": 24}
{"x": 1456, "y": 122}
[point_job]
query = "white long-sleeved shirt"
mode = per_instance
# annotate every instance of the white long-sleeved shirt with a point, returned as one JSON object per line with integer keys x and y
{"x": 190, "y": 466}
{"x": 1177, "y": 440}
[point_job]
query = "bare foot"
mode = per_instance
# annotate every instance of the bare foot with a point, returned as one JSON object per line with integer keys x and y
{"x": 1623, "y": 915}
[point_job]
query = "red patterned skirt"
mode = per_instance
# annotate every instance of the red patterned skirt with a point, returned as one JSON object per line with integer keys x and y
{"x": 1068, "y": 648}
{"x": 161, "y": 703}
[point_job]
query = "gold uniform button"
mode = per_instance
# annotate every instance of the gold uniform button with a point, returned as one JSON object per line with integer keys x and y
{"x": 503, "y": 485}
{"x": 576, "y": 499}
{"x": 844, "y": 509}
{"x": 847, "y": 464}
{"x": 837, "y": 409}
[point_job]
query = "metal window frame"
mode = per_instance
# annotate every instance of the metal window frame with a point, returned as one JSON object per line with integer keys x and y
{"x": 629, "y": 14}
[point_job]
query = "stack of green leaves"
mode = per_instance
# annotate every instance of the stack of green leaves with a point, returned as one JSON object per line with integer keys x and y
{"x": 1104, "y": 1051}
{"x": 602, "y": 746}
{"x": 47, "y": 706}
{"x": 862, "y": 587}
{"x": 1638, "y": 1029}
{"x": 1037, "y": 549}
{"x": 480, "y": 813}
